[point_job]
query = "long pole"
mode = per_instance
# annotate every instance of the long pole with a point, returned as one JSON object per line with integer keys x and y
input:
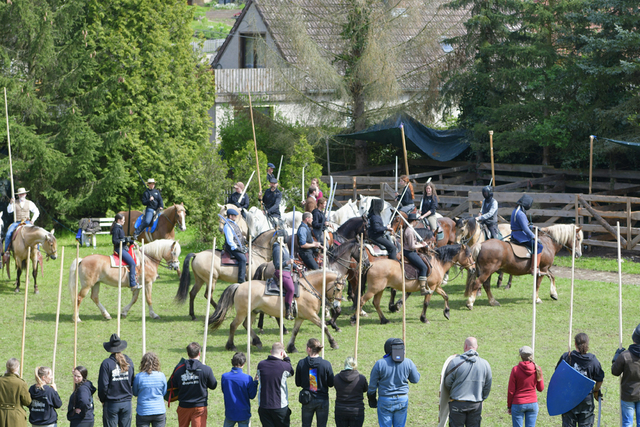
{"x": 76, "y": 310}
{"x": 245, "y": 189}
{"x": 281, "y": 242}
{"x": 209, "y": 291}
{"x": 535, "y": 280}
{"x": 249, "y": 313}
{"x": 328, "y": 158}
{"x": 6, "y": 113}
{"x": 396, "y": 174}
{"x": 493, "y": 171}
{"x": 358, "y": 308}
{"x": 24, "y": 312}
{"x": 119, "y": 288}
{"x": 404, "y": 290}
{"x": 144, "y": 300}
{"x": 255, "y": 144}
{"x": 404, "y": 152}
{"x": 55, "y": 338}
{"x": 590, "y": 162}
{"x": 279, "y": 168}
{"x": 324, "y": 287}
{"x": 620, "y": 303}
{"x": 302, "y": 192}
{"x": 573, "y": 271}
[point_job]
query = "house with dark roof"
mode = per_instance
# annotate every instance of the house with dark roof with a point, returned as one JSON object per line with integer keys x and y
{"x": 261, "y": 53}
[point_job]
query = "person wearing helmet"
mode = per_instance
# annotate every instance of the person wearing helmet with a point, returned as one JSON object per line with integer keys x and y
{"x": 377, "y": 229}
{"x": 489, "y": 213}
{"x": 521, "y": 230}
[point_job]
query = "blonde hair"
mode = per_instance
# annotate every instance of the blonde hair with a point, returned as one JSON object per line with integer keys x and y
{"x": 405, "y": 178}
{"x": 149, "y": 363}
{"x": 41, "y": 372}
{"x": 122, "y": 361}
{"x": 350, "y": 363}
{"x": 13, "y": 366}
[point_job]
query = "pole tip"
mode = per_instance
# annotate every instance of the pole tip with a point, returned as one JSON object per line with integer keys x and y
{"x": 490, "y": 132}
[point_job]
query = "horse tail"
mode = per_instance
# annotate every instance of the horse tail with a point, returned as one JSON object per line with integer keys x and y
{"x": 259, "y": 274}
{"x": 72, "y": 280}
{"x": 185, "y": 279}
{"x": 471, "y": 280}
{"x": 224, "y": 304}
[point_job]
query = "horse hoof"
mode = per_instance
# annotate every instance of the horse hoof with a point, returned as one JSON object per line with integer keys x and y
{"x": 446, "y": 313}
{"x": 338, "y": 330}
{"x": 155, "y": 316}
{"x": 363, "y": 313}
{"x": 393, "y": 308}
{"x": 36, "y": 292}
{"x": 292, "y": 349}
{"x": 384, "y": 321}
{"x": 107, "y": 317}
{"x": 494, "y": 303}
{"x": 423, "y": 319}
{"x": 470, "y": 306}
{"x": 123, "y": 315}
{"x": 231, "y": 347}
{"x": 261, "y": 331}
{"x": 335, "y": 346}
{"x": 17, "y": 290}
{"x": 554, "y": 297}
{"x": 538, "y": 301}
{"x": 194, "y": 318}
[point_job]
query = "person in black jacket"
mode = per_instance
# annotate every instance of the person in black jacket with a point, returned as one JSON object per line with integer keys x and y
{"x": 117, "y": 236}
{"x": 406, "y": 204}
{"x": 377, "y": 229}
{"x": 234, "y": 198}
{"x": 273, "y": 394}
{"x": 152, "y": 199}
{"x": 271, "y": 200}
{"x": 315, "y": 376}
{"x": 80, "y": 409}
{"x": 193, "y": 380}
{"x": 44, "y": 399}
{"x": 429, "y": 206}
{"x": 351, "y": 386}
{"x": 319, "y": 223}
{"x": 307, "y": 248}
{"x": 115, "y": 384}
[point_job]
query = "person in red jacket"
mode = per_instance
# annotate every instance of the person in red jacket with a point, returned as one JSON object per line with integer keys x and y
{"x": 522, "y": 400}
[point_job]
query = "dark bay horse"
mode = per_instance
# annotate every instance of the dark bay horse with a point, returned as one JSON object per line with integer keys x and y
{"x": 171, "y": 217}
{"x": 497, "y": 255}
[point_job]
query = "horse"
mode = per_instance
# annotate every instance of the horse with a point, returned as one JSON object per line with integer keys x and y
{"x": 201, "y": 264}
{"x": 447, "y": 227}
{"x": 388, "y": 272}
{"x": 171, "y": 217}
{"x": 30, "y": 236}
{"x": 309, "y": 304}
{"x": 497, "y": 255}
{"x": 96, "y": 269}
{"x": 242, "y": 224}
{"x": 352, "y": 228}
{"x": 347, "y": 211}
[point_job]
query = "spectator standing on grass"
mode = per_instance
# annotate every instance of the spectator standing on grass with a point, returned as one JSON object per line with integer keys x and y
{"x": 627, "y": 364}
{"x": 193, "y": 380}
{"x": 238, "y": 389}
{"x": 14, "y": 394}
{"x": 44, "y": 399}
{"x": 115, "y": 384}
{"x": 351, "y": 387}
{"x": 80, "y": 409}
{"x": 315, "y": 376}
{"x": 468, "y": 379}
{"x": 273, "y": 393}
{"x": 390, "y": 377}
{"x": 586, "y": 363}
{"x": 522, "y": 400}
{"x": 150, "y": 386}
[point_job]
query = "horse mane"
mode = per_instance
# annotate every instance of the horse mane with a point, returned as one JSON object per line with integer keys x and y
{"x": 348, "y": 225}
{"x": 346, "y": 247}
{"x": 561, "y": 234}
{"x": 157, "y": 248}
{"x": 262, "y": 234}
{"x": 447, "y": 253}
{"x": 313, "y": 273}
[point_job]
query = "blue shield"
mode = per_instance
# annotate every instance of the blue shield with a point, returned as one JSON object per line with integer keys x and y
{"x": 567, "y": 389}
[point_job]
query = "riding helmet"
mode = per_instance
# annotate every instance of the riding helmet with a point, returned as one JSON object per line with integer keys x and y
{"x": 279, "y": 233}
{"x": 389, "y": 344}
{"x": 525, "y": 201}
{"x": 487, "y": 192}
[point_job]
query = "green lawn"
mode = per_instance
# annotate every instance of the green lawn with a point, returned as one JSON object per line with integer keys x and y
{"x": 500, "y": 332}
{"x": 600, "y": 264}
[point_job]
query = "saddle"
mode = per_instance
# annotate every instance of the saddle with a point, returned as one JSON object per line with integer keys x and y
{"x": 519, "y": 250}
{"x": 115, "y": 259}
{"x": 272, "y": 287}
{"x": 376, "y": 250}
{"x": 154, "y": 222}
{"x": 411, "y": 272}
{"x": 227, "y": 259}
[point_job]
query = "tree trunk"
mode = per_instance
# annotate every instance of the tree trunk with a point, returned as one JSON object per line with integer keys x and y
{"x": 545, "y": 155}
{"x": 359, "y": 121}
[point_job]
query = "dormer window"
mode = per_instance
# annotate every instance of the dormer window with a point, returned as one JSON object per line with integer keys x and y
{"x": 253, "y": 51}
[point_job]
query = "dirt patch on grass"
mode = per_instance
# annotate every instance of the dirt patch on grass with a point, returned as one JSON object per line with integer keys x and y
{"x": 224, "y": 16}
{"x": 595, "y": 276}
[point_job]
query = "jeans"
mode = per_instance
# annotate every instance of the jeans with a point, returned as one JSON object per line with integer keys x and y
{"x": 349, "y": 419}
{"x": 417, "y": 262}
{"x": 242, "y": 264}
{"x": 628, "y": 409}
{"x": 524, "y": 414}
{"x": 384, "y": 242}
{"x": 318, "y": 406}
{"x": 392, "y": 410}
{"x": 467, "y": 414}
{"x": 159, "y": 420}
{"x": 307, "y": 258}
{"x": 275, "y": 417}
{"x": 229, "y": 423}
{"x": 147, "y": 220}
{"x": 128, "y": 259}
{"x": 117, "y": 414}
{"x": 582, "y": 415}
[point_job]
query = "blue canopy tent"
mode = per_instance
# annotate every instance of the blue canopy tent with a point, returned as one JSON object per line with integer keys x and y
{"x": 441, "y": 145}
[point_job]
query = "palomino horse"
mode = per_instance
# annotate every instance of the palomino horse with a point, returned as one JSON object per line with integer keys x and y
{"x": 171, "y": 217}
{"x": 447, "y": 226}
{"x": 387, "y": 272}
{"x": 497, "y": 255}
{"x": 309, "y": 304}
{"x": 201, "y": 265}
{"x": 29, "y": 236}
{"x": 242, "y": 224}
{"x": 96, "y": 269}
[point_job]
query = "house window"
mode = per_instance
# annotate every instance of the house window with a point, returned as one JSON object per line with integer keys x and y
{"x": 253, "y": 51}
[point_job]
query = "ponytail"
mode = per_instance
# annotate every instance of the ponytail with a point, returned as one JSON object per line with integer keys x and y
{"x": 118, "y": 217}
{"x": 122, "y": 362}
{"x": 405, "y": 178}
{"x": 41, "y": 371}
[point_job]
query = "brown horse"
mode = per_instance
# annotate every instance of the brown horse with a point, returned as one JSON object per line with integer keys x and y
{"x": 497, "y": 255}
{"x": 30, "y": 236}
{"x": 201, "y": 264}
{"x": 447, "y": 226}
{"x": 96, "y": 269}
{"x": 309, "y": 304}
{"x": 387, "y": 272}
{"x": 171, "y": 217}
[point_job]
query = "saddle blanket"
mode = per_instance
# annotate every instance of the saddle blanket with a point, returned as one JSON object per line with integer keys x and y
{"x": 375, "y": 250}
{"x": 227, "y": 259}
{"x": 115, "y": 260}
{"x": 272, "y": 287}
{"x": 520, "y": 251}
{"x": 150, "y": 229}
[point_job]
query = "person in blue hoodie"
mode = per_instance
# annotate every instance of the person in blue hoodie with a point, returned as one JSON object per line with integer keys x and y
{"x": 44, "y": 399}
{"x": 115, "y": 384}
{"x": 150, "y": 386}
{"x": 390, "y": 378}
{"x": 238, "y": 389}
{"x": 80, "y": 409}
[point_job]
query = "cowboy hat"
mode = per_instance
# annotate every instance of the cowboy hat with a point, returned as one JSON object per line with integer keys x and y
{"x": 21, "y": 190}
{"x": 115, "y": 344}
{"x": 151, "y": 181}
{"x": 412, "y": 217}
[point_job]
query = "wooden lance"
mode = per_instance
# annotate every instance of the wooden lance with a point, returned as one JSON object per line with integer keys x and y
{"x": 119, "y": 288}
{"x": 55, "y": 338}
{"x": 324, "y": 287}
{"x": 493, "y": 171}
{"x": 144, "y": 315}
{"x": 209, "y": 291}
{"x": 535, "y": 281}
{"x": 249, "y": 312}
{"x": 404, "y": 292}
{"x": 24, "y": 312}
{"x": 591, "y": 137}
{"x": 281, "y": 242}
{"x": 358, "y": 308}
{"x": 573, "y": 271}
{"x": 404, "y": 152}
{"x": 255, "y": 146}
{"x": 6, "y": 112}
{"x": 75, "y": 307}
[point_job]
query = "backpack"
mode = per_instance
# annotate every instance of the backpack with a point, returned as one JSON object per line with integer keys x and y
{"x": 172, "y": 391}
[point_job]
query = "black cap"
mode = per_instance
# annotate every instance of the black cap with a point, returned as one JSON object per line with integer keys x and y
{"x": 412, "y": 217}
{"x": 636, "y": 335}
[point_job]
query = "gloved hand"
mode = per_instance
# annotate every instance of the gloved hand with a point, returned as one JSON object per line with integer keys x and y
{"x": 615, "y": 356}
{"x": 597, "y": 394}
{"x": 373, "y": 400}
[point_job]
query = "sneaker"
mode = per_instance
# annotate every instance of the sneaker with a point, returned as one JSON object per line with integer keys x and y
{"x": 135, "y": 287}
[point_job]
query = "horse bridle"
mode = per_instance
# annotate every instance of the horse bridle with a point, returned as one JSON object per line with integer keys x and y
{"x": 168, "y": 264}
{"x": 341, "y": 280}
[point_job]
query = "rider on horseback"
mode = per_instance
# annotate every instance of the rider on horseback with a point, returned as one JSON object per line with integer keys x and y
{"x": 23, "y": 209}
{"x": 287, "y": 282}
{"x": 430, "y": 206}
{"x": 377, "y": 229}
{"x": 410, "y": 249}
{"x": 152, "y": 199}
{"x": 319, "y": 222}
{"x": 235, "y": 243}
{"x": 234, "y": 198}
{"x": 406, "y": 204}
{"x": 117, "y": 236}
{"x": 489, "y": 213}
{"x": 521, "y": 230}
{"x": 271, "y": 201}
{"x": 306, "y": 245}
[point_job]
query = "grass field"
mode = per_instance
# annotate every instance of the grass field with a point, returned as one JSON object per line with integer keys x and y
{"x": 500, "y": 332}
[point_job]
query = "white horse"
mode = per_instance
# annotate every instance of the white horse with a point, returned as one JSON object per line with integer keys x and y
{"x": 257, "y": 222}
{"x": 365, "y": 203}
{"x": 346, "y": 212}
